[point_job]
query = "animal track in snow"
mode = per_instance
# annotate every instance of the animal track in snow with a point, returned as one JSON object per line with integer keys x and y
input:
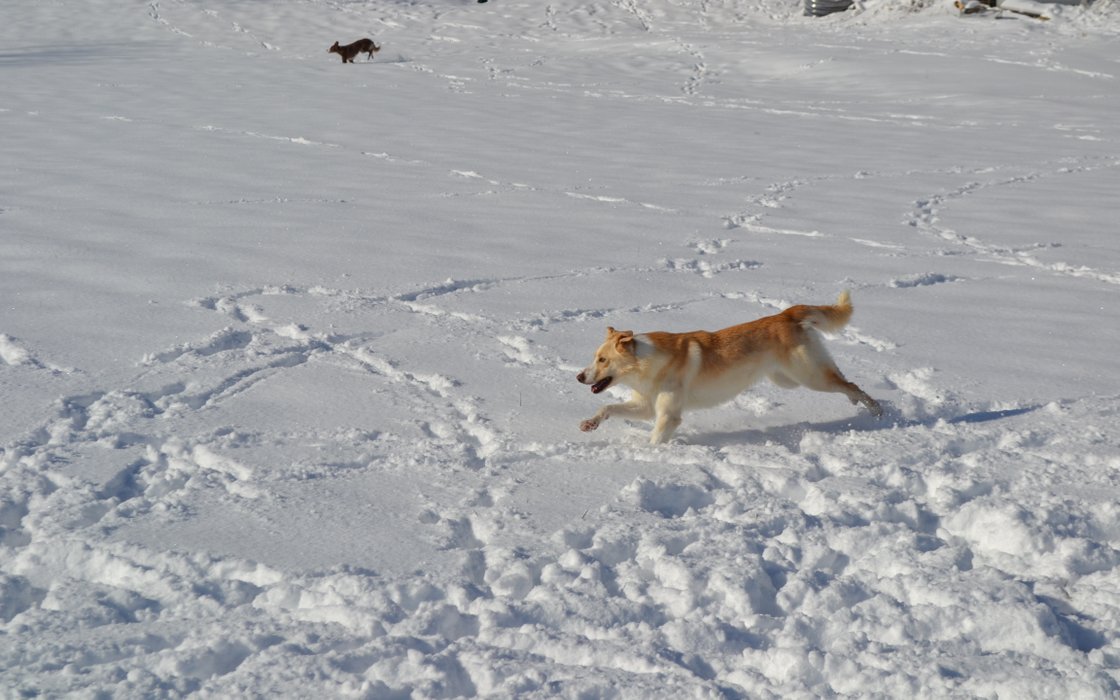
{"x": 635, "y": 9}
{"x": 926, "y": 216}
{"x": 519, "y": 350}
{"x": 297, "y": 140}
{"x": 224, "y": 340}
{"x": 669, "y": 500}
{"x": 918, "y": 383}
{"x": 607, "y": 199}
{"x": 704, "y": 268}
{"x": 750, "y": 223}
{"x": 14, "y": 354}
{"x": 710, "y": 247}
{"x": 923, "y": 280}
{"x": 695, "y": 82}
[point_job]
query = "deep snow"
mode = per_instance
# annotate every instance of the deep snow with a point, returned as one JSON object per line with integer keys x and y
{"x": 287, "y": 350}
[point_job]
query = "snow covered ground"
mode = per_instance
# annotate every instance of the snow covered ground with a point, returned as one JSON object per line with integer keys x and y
{"x": 288, "y": 349}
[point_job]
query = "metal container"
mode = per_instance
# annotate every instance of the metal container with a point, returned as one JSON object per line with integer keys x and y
{"x": 820, "y": 8}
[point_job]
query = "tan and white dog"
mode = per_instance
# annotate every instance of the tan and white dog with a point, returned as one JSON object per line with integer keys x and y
{"x": 671, "y": 372}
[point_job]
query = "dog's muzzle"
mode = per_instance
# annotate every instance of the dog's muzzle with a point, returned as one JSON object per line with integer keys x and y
{"x": 597, "y": 386}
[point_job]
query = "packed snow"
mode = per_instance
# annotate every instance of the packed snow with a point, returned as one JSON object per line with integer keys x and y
{"x": 288, "y": 349}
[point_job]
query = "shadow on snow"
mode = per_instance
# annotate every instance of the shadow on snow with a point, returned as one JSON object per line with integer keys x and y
{"x": 789, "y": 436}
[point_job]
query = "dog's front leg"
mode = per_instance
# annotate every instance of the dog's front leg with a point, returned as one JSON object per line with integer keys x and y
{"x": 668, "y": 412}
{"x": 636, "y": 407}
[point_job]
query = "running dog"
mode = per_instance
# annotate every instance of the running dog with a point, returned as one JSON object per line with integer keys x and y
{"x": 672, "y": 372}
{"x": 350, "y": 51}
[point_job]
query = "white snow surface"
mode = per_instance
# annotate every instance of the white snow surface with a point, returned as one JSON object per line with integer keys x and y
{"x": 288, "y": 349}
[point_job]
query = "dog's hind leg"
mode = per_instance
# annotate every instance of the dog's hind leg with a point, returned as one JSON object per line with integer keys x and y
{"x": 812, "y": 367}
{"x": 856, "y": 394}
{"x": 833, "y": 380}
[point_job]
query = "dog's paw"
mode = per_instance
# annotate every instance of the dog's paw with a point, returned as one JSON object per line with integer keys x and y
{"x": 588, "y": 425}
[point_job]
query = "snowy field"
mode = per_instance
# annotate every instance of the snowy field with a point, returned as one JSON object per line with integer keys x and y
{"x": 288, "y": 350}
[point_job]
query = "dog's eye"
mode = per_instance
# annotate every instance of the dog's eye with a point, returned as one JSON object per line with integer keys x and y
{"x": 602, "y": 360}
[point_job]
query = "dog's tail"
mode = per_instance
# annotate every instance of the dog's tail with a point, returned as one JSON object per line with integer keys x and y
{"x": 825, "y": 318}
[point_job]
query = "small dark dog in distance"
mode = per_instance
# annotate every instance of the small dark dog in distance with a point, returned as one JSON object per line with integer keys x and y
{"x": 349, "y": 51}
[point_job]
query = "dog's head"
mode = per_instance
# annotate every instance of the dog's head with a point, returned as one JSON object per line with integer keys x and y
{"x": 333, "y": 48}
{"x": 615, "y": 358}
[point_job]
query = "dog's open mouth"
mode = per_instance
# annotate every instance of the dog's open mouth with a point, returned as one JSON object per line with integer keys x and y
{"x": 601, "y": 384}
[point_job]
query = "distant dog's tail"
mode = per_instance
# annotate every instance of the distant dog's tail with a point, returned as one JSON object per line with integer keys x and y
{"x": 825, "y": 318}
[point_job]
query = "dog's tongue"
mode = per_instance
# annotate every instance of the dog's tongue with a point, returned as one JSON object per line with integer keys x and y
{"x": 600, "y": 385}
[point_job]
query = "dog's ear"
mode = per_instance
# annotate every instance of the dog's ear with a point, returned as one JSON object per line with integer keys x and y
{"x": 623, "y": 340}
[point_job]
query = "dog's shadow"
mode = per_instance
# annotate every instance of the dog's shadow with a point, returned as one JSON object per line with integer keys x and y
{"x": 790, "y": 436}
{"x": 383, "y": 60}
